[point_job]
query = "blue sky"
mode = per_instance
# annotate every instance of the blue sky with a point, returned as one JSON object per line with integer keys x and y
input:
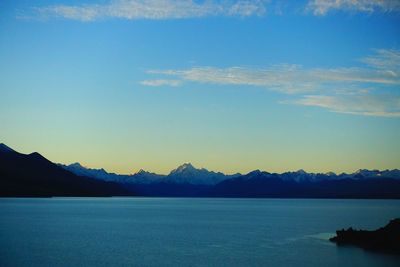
{"x": 228, "y": 85}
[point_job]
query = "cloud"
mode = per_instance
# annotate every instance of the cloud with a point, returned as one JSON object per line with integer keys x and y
{"x": 382, "y": 68}
{"x": 344, "y": 90}
{"x": 322, "y": 7}
{"x": 368, "y": 105}
{"x": 153, "y": 9}
{"x": 386, "y": 60}
{"x": 184, "y": 9}
{"x": 285, "y": 78}
{"x": 172, "y": 83}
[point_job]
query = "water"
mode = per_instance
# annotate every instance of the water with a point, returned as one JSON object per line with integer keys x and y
{"x": 187, "y": 232}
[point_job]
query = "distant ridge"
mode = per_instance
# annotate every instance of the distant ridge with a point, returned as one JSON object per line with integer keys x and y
{"x": 187, "y": 173}
{"x": 188, "y": 181}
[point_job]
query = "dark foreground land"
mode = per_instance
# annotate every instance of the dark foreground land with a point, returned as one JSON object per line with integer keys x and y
{"x": 33, "y": 175}
{"x": 385, "y": 239}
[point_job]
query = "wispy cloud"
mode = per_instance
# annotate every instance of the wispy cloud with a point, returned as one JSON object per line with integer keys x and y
{"x": 161, "y": 82}
{"x": 368, "y": 105}
{"x": 386, "y": 60}
{"x": 284, "y": 78}
{"x": 380, "y": 68}
{"x": 184, "y": 9}
{"x": 322, "y": 7}
{"x": 152, "y": 9}
{"x": 344, "y": 90}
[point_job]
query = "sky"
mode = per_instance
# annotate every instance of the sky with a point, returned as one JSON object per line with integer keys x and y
{"x": 230, "y": 85}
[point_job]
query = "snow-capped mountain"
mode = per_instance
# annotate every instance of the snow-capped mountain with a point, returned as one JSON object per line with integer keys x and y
{"x": 303, "y": 176}
{"x": 145, "y": 177}
{"x": 363, "y": 173}
{"x": 187, "y": 174}
{"x": 101, "y": 174}
{"x": 184, "y": 174}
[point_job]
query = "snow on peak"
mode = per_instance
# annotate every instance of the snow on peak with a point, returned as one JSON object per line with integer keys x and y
{"x": 76, "y": 165}
{"x": 184, "y": 168}
{"x": 141, "y": 171}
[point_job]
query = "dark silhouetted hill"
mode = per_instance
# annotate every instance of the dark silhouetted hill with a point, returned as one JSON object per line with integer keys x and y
{"x": 34, "y": 176}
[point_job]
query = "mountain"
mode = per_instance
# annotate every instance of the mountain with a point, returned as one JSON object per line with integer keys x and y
{"x": 264, "y": 184}
{"x": 145, "y": 177}
{"x": 188, "y": 181}
{"x": 141, "y": 177}
{"x": 184, "y": 174}
{"x": 34, "y": 175}
{"x": 187, "y": 174}
{"x": 99, "y": 174}
{"x": 184, "y": 181}
{"x": 362, "y": 173}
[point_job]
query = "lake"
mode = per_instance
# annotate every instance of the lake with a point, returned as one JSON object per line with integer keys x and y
{"x": 187, "y": 231}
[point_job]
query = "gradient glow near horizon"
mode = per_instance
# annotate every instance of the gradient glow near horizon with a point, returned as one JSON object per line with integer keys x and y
{"x": 231, "y": 86}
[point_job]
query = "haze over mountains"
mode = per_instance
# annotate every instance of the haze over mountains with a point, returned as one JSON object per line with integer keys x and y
{"x": 33, "y": 175}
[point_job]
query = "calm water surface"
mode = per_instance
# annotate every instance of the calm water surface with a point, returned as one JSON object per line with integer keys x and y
{"x": 187, "y": 232}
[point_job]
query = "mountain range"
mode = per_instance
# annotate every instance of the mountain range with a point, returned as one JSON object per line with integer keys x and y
{"x": 34, "y": 175}
{"x": 184, "y": 174}
{"x": 188, "y": 174}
